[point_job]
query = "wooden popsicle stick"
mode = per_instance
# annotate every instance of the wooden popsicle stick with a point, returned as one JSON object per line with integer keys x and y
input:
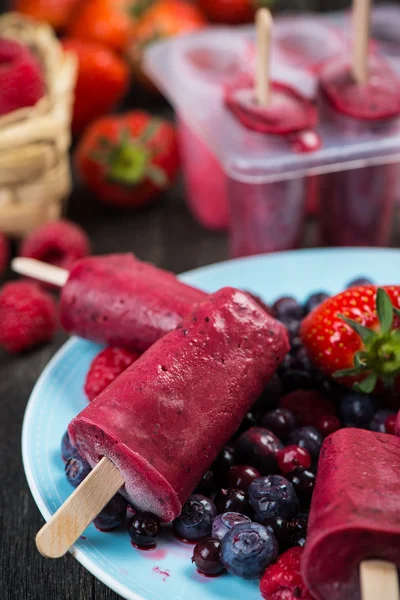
{"x": 70, "y": 521}
{"x": 361, "y": 24}
{"x": 379, "y": 580}
{"x": 40, "y": 271}
{"x": 263, "y": 68}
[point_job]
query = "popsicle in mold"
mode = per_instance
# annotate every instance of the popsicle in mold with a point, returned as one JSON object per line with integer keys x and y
{"x": 353, "y": 542}
{"x": 162, "y": 423}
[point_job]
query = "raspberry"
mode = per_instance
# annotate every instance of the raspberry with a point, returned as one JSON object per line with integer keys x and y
{"x": 308, "y": 406}
{"x": 4, "y": 254}
{"x": 268, "y": 309}
{"x": 106, "y": 367}
{"x": 27, "y": 316}
{"x": 21, "y": 78}
{"x": 59, "y": 243}
{"x": 283, "y": 581}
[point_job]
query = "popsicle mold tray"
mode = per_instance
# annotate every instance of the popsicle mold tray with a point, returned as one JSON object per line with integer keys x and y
{"x": 223, "y": 159}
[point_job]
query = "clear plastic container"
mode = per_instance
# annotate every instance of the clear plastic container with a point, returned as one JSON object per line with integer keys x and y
{"x": 265, "y": 180}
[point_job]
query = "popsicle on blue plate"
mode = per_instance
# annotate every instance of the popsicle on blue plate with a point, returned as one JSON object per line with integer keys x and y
{"x": 166, "y": 418}
{"x": 355, "y": 514}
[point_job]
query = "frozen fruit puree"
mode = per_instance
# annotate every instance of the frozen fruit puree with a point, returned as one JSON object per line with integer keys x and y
{"x": 122, "y": 301}
{"x": 358, "y": 204}
{"x": 355, "y": 511}
{"x": 166, "y": 418}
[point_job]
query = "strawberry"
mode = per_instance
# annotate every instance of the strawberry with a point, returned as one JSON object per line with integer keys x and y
{"x": 21, "y": 78}
{"x": 103, "y": 79}
{"x": 127, "y": 160}
{"x": 232, "y": 12}
{"x": 355, "y": 338}
{"x": 56, "y": 13}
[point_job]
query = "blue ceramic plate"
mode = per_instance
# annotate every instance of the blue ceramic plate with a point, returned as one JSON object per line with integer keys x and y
{"x": 167, "y": 573}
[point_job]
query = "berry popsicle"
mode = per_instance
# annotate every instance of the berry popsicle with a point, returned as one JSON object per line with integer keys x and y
{"x": 359, "y": 98}
{"x": 160, "y": 425}
{"x": 355, "y": 513}
{"x": 118, "y": 300}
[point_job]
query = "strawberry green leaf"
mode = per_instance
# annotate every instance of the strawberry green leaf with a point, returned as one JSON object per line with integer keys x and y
{"x": 384, "y": 309}
{"x": 368, "y": 384}
{"x": 396, "y": 311}
{"x": 346, "y": 373}
{"x": 360, "y": 360}
{"x": 367, "y": 335}
{"x": 149, "y": 132}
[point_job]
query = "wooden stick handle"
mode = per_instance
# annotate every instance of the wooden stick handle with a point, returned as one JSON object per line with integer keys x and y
{"x": 263, "y": 74}
{"x": 70, "y": 521}
{"x": 361, "y": 24}
{"x": 40, "y": 270}
{"x": 379, "y": 580}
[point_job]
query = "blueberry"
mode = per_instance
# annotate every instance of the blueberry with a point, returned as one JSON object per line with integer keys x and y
{"x": 248, "y": 422}
{"x": 232, "y": 500}
{"x": 67, "y": 449}
{"x": 315, "y": 300}
{"x": 195, "y": 521}
{"x": 309, "y": 438}
{"x": 303, "y": 481}
{"x": 297, "y": 379}
{"x": 280, "y": 421}
{"x": 224, "y": 523}
{"x": 144, "y": 529}
{"x": 207, "y": 485}
{"x": 287, "y": 309}
{"x": 298, "y": 531}
{"x": 296, "y": 362}
{"x": 241, "y": 476}
{"x": 357, "y": 410}
{"x": 359, "y": 281}
{"x": 206, "y": 557}
{"x": 281, "y": 530}
{"x": 273, "y": 496}
{"x": 258, "y": 447}
{"x": 224, "y": 461}
{"x": 112, "y": 515}
{"x": 270, "y": 397}
{"x": 378, "y": 420}
{"x": 247, "y": 549}
{"x": 76, "y": 469}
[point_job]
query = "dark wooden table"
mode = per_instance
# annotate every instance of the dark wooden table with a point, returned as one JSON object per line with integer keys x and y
{"x": 164, "y": 234}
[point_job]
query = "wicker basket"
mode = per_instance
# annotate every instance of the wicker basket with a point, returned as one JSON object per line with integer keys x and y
{"x": 35, "y": 178}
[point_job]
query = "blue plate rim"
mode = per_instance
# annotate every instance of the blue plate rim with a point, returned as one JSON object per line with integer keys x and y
{"x": 80, "y": 556}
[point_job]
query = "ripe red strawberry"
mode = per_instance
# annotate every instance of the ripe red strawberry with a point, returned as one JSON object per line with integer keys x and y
{"x": 106, "y": 367}
{"x": 355, "y": 337}
{"x": 21, "y": 77}
{"x": 232, "y": 12}
{"x": 127, "y": 160}
{"x": 283, "y": 580}
{"x": 4, "y": 254}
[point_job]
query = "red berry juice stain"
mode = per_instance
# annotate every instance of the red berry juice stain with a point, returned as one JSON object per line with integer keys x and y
{"x": 151, "y": 552}
{"x": 190, "y": 543}
{"x": 164, "y": 574}
{"x": 83, "y": 537}
{"x": 209, "y": 576}
{"x": 144, "y": 548}
{"x": 104, "y": 530}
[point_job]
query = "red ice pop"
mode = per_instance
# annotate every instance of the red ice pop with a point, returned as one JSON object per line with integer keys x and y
{"x": 355, "y": 513}
{"x": 166, "y": 418}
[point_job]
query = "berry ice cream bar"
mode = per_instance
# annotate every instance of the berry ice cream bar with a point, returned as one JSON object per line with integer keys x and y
{"x": 166, "y": 418}
{"x": 122, "y": 301}
{"x": 355, "y": 513}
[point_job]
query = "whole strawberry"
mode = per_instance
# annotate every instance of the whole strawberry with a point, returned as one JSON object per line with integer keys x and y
{"x": 106, "y": 367}
{"x": 355, "y": 338}
{"x": 21, "y": 77}
{"x": 127, "y": 160}
{"x": 103, "y": 79}
{"x": 232, "y": 12}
